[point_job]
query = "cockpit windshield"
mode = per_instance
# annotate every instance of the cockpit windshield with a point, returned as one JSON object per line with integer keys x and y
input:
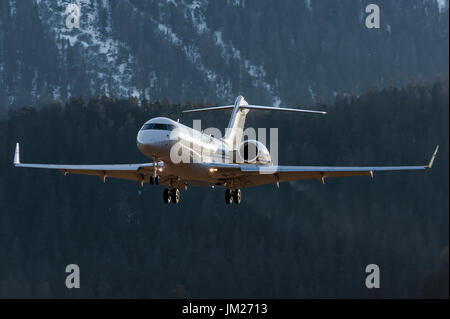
{"x": 158, "y": 126}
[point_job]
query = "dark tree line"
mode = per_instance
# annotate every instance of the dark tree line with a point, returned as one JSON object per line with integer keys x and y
{"x": 303, "y": 240}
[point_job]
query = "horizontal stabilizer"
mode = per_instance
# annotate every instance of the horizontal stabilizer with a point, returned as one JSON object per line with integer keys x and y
{"x": 281, "y": 109}
{"x": 253, "y": 107}
{"x": 214, "y": 108}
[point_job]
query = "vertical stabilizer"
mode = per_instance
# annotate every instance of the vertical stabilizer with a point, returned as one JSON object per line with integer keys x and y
{"x": 235, "y": 129}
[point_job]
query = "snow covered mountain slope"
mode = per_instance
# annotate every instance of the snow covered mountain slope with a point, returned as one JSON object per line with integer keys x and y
{"x": 286, "y": 52}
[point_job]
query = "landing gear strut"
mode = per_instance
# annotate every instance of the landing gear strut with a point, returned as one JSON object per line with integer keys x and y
{"x": 171, "y": 195}
{"x": 233, "y": 195}
{"x": 154, "y": 179}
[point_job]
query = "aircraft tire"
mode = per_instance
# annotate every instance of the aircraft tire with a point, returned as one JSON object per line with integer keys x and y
{"x": 228, "y": 196}
{"x": 175, "y": 195}
{"x": 166, "y": 196}
{"x": 237, "y": 196}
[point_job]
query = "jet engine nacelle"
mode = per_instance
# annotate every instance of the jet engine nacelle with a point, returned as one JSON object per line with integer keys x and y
{"x": 254, "y": 152}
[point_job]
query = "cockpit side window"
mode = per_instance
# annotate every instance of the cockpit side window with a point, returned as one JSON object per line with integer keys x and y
{"x": 158, "y": 126}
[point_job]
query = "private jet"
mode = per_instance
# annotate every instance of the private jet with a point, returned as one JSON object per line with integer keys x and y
{"x": 228, "y": 162}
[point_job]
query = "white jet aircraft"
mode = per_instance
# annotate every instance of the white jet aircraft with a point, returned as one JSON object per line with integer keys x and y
{"x": 222, "y": 162}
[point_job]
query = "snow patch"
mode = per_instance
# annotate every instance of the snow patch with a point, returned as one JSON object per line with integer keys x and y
{"x": 236, "y": 3}
{"x": 198, "y": 16}
{"x": 100, "y": 49}
{"x": 56, "y": 92}
{"x": 170, "y": 35}
{"x": 308, "y": 4}
{"x": 311, "y": 92}
{"x": 388, "y": 28}
{"x": 34, "y": 85}
{"x": 257, "y": 73}
{"x": 442, "y": 4}
{"x": 172, "y": 2}
{"x": 12, "y": 7}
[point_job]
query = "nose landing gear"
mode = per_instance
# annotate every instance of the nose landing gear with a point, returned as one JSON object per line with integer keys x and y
{"x": 154, "y": 180}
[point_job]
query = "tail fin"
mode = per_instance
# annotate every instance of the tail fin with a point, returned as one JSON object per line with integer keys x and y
{"x": 235, "y": 128}
{"x": 234, "y": 131}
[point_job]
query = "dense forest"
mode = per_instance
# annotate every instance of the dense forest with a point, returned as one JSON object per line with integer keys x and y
{"x": 302, "y": 240}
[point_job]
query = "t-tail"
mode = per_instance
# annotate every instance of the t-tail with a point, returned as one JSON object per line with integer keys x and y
{"x": 235, "y": 129}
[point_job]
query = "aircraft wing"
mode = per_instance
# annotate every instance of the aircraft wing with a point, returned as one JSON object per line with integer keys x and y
{"x": 134, "y": 172}
{"x": 245, "y": 175}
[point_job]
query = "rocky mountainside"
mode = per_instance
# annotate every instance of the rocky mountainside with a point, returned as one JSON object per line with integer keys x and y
{"x": 286, "y": 52}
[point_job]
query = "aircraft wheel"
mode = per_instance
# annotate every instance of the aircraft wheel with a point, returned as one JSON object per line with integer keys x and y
{"x": 152, "y": 180}
{"x": 157, "y": 180}
{"x": 175, "y": 195}
{"x": 228, "y": 196}
{"x": 237, "y": 196}
{"x": 166, "y": 196}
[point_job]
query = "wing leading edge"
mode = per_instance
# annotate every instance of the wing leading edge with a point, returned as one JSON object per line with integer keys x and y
{"x": 253, "y": 175}
{"x": 134, "y": 172}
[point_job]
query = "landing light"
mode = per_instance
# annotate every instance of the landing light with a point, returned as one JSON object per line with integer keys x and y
{"x": 212, "y": 169}
{"x": 160, "y": 169}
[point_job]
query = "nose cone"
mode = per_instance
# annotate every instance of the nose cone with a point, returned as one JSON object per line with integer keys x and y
{"x": 155, "y": 143}
{"x": 142, "y": 138}
{"x": 149, "y": 141}
{"x": 155, "y": 138}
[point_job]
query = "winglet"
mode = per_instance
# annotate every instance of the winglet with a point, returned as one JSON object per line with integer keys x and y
{"x": 430, "y": 164}
{"x": 17, "y": 155}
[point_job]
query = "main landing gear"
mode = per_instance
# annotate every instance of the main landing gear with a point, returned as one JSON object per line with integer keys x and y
{"x": 171, "y": 195}
{"x": 233, "y": 195}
